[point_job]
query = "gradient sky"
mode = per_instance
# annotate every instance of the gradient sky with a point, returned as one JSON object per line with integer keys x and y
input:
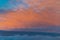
{"x": 18, "y": 14}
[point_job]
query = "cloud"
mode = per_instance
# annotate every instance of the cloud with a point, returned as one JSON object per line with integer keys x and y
{"x": 29, "y": 18}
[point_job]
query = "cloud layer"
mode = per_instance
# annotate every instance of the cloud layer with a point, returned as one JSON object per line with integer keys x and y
{"x": 43, "y": 14}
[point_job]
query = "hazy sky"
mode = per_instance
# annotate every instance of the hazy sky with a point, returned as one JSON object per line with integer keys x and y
{"x": 38, "y": 14}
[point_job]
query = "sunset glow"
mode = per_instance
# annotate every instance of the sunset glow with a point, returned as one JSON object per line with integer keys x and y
{"x": 31, "y": 14}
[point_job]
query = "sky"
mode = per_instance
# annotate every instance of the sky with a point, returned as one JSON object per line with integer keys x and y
{"x": 28, "y": 14}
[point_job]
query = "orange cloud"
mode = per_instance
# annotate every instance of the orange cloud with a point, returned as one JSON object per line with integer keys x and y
{"x": 25, "y": 18}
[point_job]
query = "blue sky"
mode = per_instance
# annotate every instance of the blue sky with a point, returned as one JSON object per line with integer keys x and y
{"x": 10, "y": 4}
{"x": 4, "y": 4}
